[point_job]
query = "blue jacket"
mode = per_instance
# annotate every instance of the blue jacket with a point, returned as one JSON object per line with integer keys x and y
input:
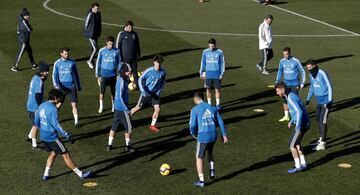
{"x": 65, "y": 74}
{"x": 121, "y": 98}
{"x": 24, "y": 30}
{"x": 213, "y": 63}
{"x": 298, "y": 112}
{"x": 321, "y": 87}
{"x": 36, "y": 86}
{"x": 46, "y": 119}
{"x": 291, "y": 68}
{"x": 152, "y": 81}
{"x": 107, "y": 62}
{"x": 203, "y": 120}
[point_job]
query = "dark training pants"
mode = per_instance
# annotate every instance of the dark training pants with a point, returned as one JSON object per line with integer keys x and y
{"x": 94, "y": 48}
{"x": 322, "y": 113}
{"x": 267, "y": 55}
{"x": 24, "y": 46}
{"x": 133, "y": 65}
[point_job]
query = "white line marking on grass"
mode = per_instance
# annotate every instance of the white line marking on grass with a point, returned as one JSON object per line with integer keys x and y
{"x": 192, "y": 32}
{"x": 313, "y": 19}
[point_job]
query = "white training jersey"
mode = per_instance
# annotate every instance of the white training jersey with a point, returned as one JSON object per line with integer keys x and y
{"x": 265, "y": 36}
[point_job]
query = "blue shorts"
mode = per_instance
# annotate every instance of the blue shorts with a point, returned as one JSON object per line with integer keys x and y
{"x": 212, "y": 83}
{"x": 71, "y": 92}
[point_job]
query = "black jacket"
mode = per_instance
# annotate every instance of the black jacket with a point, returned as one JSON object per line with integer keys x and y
{"x": 24, "y": 29}
{"x": 129, "y": 45}
{"x": 92, "y": 26}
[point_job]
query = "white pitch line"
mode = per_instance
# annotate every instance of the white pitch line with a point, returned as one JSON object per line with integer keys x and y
{"x": 313, "y": 19}
{"x": 192, "y": 32}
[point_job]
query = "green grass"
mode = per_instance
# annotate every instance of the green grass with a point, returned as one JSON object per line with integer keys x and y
{"x": 257, "y": 157}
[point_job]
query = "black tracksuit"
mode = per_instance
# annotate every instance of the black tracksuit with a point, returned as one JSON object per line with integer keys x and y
{"x": 24, "y": 30}
{"x": 92, "y": 31}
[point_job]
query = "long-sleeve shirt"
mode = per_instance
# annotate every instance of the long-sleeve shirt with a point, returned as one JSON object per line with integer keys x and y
{"x": 321, "y": 87}
{"x": 265, "y": 36}
{"x": 92, "y": 25}
{"x": 36, "y": 86}
{"x": 203, "y": 121}
{"x": 213, "y": 63}
{"x": 24, "y": 30}
{"x": 65, "y": 74}
{"x": 108, "y": 62}
{"x": 46, "y": 119}
{"x": 298, "y": 112}
{"x": 152, "y": 81}
{"x": 121, "y": 98}
{"x": 291, "y": 68}
{"x": 129, "y": 45}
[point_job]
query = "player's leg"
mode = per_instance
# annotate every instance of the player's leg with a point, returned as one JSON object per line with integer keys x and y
{"x": 62, "y": 99}
{"x": 30, "y": 54}
{"x": 200, "y": 153}
{"x": 74, "y": 100}
{"x": 126, "y": 121}
{"x": 323, "y": 113}
{"x": 267, "y": 56}
{"x": 263, "y": 60}
{"x": 15, "y": 67}
{"x": 93, "y": 50}
{"x": 112, "y": 88}
{"x": 303, "y": 164}
{"x": 103, "y": 83}
{"x": 217, "y": 86}
{"x": 114, "y": 128}
{"x": 207, "y": 86}
{"x": 286, "y": 117}
{"x": 33, "y": 131}
{"x": 49, "y": 162}
{"x": 154, "y": 118}
{"x": 133, "y": 65}
{"x": 140, "y": 103}
{"x": 71, "y": 165}
{"x": 209, "y": 151}
{"x": 294, "y": 152}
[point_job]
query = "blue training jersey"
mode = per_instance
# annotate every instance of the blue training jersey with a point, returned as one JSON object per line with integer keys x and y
{"x": 36, "y": 86}
{"x": 65, "y": 74}
{"x": 321, "y": 87}
{"x": 107, "y": 63}
{"x": 46, "y": 119}
{"x": 152, "y": 81}
{"x": 298, "y": 112}
{"x": 121, "y": 98}
{"x": 291, "y": 69}
{"x": 213, "y": 63}
{"x": 203, "y": 120}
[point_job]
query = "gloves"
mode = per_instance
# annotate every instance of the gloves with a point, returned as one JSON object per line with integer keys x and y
{"x": 307, "y": 103}
{"x": 70, "y": 139}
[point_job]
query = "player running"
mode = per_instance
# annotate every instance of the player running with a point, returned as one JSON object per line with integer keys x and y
{"x": 151, "y": 83}
{"x": 300, "y": 119}
{"x": 92, "y": 30}
{"x": 35, "y": 98}
{"x": 121, "y": 113}
{"x": 46, "y": 119}
{"x": 321, "y": 88}
{"x": 66, "y": 78}
{"x": 212, "y": 69}
{"x": 23, "y": 31}
{"x": 107, "y": 65}
{"x": 265, "y": 44}
{"x": 203, "y": 121}
{"x": 291, "y": 68}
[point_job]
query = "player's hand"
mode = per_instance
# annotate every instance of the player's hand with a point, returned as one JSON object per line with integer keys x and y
{"x": 203, "y": 75}
{"x": 225, "y": 139}
{"x": 289, "y": 124}
{"x": 99, "y": 79}
{"x": 70, "y": 139}
{"x": 302, "y": 86}
{"x": 194, "y": 136}
{"x": 307, "y": 104}
{"x": 220, "y": 77}
{"x": 79, "y": 89}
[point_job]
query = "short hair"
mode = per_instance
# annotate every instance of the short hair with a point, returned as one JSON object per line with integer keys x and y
{"x": 269, "y": 16}
{"x": 311, "y": 61}
{"x": 64, "y": 49}
{"x": 287, "y": 49}
{"x": 110, "y": 38}
{"x": 95, "y": 4}
{"x": 158, "y": 58}
{"x": 280, "y": 85}
{"x": 55, "y": 93}
{"x": 199, "y": 95}
{"x": 129, "y": 23}
{"x": 212, "y": 41}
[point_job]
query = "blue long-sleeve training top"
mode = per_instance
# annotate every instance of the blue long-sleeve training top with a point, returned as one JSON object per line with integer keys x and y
{"x": 291, "y": 69}
{"x": 213, "y": 63}
{"x": 321, "y": 87}
{"x": 65, "y": 74}
{"x": 46, "y": 119}
{"x": 108, "y": 62}
{"x": 298, "y": 112}
{"x": 152, "y": 81}
{"x": 36, "y": 86}
{"x": 203, "y": 120}
{"x": 121, "y": 98}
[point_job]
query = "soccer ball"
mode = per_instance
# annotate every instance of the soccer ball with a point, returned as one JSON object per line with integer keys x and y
{"x": 165, "y": 169}
{"x": 139, "y": 73}
{"x": 132, "y": 79}
{"x": 132, "y": 86}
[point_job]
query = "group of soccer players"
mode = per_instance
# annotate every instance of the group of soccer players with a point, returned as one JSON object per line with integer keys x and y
{"x": 114, "y": 66}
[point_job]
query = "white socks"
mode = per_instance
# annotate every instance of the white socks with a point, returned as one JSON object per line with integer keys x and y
{"x": 47, "y": 171}
{"x": 153, "y": 121}
{"x": 209, "y": 101}
{"x": 30, "y": 134}
{"x": 217, "y": 101}
{"x": 127, "y": 141}
{"x": 34, "y": 142}
{"x": 101, "y": 104}
{"x": 110, "y": 140}
{"x": 302, "y": 160}
{"x": 297, "y": 162}
{"x": 201, "y": 177}
{"x": 211, "y": 164}
{"x": 76, "y": 118}
{"x": 78, "y": 172}
{"x": 286, "y": 113}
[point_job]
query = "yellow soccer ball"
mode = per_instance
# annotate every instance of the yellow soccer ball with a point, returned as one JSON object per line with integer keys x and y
{"x": 139, "y": 73}
{"x": 132, "y": 86}
{"x": 165, "y": 169}
{"x": 132, "y": 79}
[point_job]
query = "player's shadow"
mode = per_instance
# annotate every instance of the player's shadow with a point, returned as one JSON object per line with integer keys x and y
{"x": 177, "y": 171}
{"x": 91, "y": 117}
{"x": 346, "y": 103}
{"x": 168, "y": 53}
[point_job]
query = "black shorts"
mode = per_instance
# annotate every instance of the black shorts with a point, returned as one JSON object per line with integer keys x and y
{"x": 121, "y": 117}
{"x": 293, "y": 89}
{"x": 296, "y": 137}
{"x": 146, "y": 100}
{"x": 71, "y": 92}
{"x": 56, "y": 146}
{"x": 202, "y": 148}
{"x": 32, "y": 117}
{"x": 212, "y": 83}
{"x": 108, "y": 81}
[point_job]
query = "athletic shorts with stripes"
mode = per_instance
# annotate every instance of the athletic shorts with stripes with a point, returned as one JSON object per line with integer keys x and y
{"x": 296, "y": 137}
{"x": 146, "y": 100}
{"x": 202, "y": 148}
{"x": 121, "y": 117}
{"x": 56, "y": 146}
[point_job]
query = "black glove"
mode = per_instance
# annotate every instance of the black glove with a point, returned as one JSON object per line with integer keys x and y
{"x": 70, "y": 139}
{"x": 307, "y": 103}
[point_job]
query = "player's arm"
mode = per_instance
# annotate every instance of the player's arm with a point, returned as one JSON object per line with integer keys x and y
{"x": 162, "y": 85}
{"x": 99, "y": 23}
{"x": 55, "y": 76}
{"x": 36, "y": 121}
{"x": 222, "y": 126}
{"x": 279, "y": 73}
{"x": 38, "y": 92}
{"x": 298, "y": 113}
{"x": 302, "y": 73}
{"x": 117, "y": 43}
{"x": 57, "y": 126}
{"x": 222, "y": 65}
{"x": 310, "y": 94}
{"x": 142, "y": 83}
{"x": 202, "y": 65}
{"x": 268, "y": 36}
{"x": 77, "y": 77}
{"x": 87, "y": 20}
{"x": 137, "y": 42}
{"x": 98, "y": 65}
{"x": 193, "y": 124}
{"x": 329, "y": 87}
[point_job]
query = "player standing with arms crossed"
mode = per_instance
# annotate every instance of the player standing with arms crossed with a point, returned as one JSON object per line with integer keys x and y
{"x": 92, "y": 30}
{"x": 265, "y": 44}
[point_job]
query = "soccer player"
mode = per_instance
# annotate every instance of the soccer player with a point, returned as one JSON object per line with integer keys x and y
{"x": 92, "y": 30}
{"x": 291, "y": 69}
{"x": 66, "y": 78}
{"x": 35, "y": 98}
{"x": 23, "y": 31}
{"x": 321, "y": 88}
{"x": 151, "y": 83}
{"x": 300, "y": 119}
{"x": 129, "y": 45}
{"x": 212, "y": 69}
{"x": 265, "y": 44}
{"x": 46, "y": 119}
{"x": 121, "y": 113}
{"x": 107, "y": 65}
{"x": 203, "y": 121}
